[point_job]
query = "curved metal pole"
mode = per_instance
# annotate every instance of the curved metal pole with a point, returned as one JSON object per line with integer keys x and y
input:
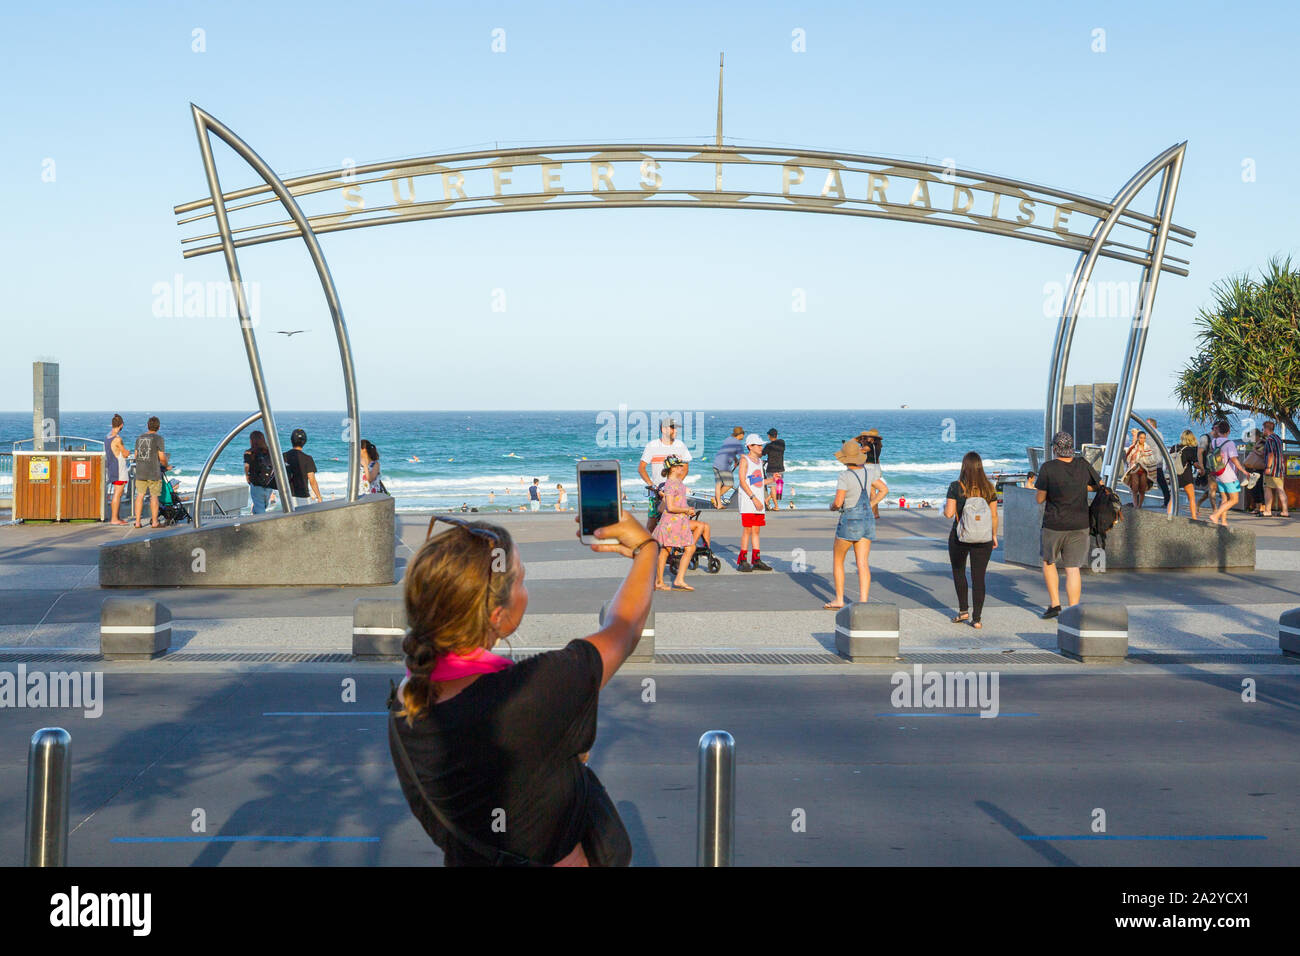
{"x": 1127, "y": 390}
{"x": 1170, "y": 468}
{"x": 205, "y": 122}
{"x": 1079, "y": 284}
{"x": 245, "y": 319}
{"x": 212, "y": 460}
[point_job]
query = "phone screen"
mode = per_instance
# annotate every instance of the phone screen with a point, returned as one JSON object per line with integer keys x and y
{"x": 598, "y": 493}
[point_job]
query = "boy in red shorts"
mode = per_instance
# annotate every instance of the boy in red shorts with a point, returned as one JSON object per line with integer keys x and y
{"x": 752, "y": 517}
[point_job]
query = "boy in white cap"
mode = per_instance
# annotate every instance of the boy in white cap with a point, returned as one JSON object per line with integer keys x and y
{"x": 752, "y": 516}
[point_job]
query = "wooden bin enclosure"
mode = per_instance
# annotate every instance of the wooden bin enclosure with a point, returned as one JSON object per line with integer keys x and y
{"x": 58, "y": 485}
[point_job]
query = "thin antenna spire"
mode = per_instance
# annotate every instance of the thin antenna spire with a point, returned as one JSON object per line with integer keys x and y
{"x": 719, "y": 135}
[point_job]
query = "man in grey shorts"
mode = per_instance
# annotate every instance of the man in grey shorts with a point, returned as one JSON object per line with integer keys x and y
{"x": 1063, "y": 485}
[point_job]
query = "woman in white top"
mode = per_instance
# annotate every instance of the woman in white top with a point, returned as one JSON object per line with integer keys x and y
{"x": 371, "y": 483}
{"x": 561, "y": 498}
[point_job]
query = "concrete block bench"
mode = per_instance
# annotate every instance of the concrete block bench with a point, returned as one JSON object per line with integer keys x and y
{"x": 867, "y": 632}
{"x": 134, "y": 629}
{"x": 1093, "y": 633}
{"x": 378, "y": 629}
{"x": 1288, "y": 632}
{"x": 644, "y": 652}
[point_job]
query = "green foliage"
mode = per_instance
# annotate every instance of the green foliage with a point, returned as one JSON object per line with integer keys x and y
{"x": 1249, "y": 349}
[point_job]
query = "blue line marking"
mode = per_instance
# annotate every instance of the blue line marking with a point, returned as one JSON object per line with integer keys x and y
{"x": 1155, "y": 836}
{"x": 933, "y": 713}
{"x": 326, "y": 713}
{"x": 245, "y": 839}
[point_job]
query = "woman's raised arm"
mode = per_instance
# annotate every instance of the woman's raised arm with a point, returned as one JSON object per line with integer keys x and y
{"x": 627, "y": 613}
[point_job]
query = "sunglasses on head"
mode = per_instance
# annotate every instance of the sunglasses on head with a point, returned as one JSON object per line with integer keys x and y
{"x": 484, "y": 533}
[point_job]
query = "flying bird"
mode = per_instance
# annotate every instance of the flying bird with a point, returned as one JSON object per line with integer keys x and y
{"x": 290, "y": 334}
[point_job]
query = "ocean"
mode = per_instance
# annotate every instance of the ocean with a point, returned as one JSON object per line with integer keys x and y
{"x": 464, "y": 456}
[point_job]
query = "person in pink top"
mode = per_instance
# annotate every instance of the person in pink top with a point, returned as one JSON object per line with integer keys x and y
{"x": 675, "y": 528}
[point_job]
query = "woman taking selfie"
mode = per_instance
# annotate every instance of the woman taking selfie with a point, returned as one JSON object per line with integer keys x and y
{"x": 491, "y": 754}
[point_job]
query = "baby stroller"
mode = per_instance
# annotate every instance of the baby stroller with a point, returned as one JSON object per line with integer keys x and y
{"x": 712, "y": 564}
{"x": 171, "y": 510}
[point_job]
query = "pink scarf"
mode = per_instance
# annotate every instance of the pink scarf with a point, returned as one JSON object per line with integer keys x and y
{"x": 477, "y": 661}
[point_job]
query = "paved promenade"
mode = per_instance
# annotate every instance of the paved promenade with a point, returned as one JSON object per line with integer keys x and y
{"x": 50, "y": 599}
{"x": 246, "y": 720}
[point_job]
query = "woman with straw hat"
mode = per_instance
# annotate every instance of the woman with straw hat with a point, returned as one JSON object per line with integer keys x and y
{"x": 857, "y": 490}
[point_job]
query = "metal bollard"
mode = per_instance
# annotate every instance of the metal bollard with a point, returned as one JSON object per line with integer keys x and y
{"x": 49, "y": 780}
{"x": 717, "y": 810}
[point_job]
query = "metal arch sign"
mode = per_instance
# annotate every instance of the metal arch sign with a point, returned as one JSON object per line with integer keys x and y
{"x": 676, "y": 175}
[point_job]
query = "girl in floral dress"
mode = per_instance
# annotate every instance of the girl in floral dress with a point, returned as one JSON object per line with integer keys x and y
{"x": 674, "y": 527}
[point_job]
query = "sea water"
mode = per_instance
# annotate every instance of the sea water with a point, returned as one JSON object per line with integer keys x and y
{"x": 462, "y": 456}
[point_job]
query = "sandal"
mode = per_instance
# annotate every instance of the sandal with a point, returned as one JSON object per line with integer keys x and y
{"x": 961, "y": 617}
{"x": 681, "y": 587}
{"x": 662, "y": 587}
{"x": 832, "y": 607}
{"x": 977, "y": 625}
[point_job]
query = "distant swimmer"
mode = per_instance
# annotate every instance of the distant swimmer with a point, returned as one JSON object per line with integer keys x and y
{"x": 416, "y": 458}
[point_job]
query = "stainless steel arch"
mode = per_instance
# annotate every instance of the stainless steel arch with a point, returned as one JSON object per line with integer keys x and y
{"x": 1152, "y": 233}
{"x": 205, "y": 124}
{"x": 212, "y": 460}
{"x": 787, "y": 167}
{"x": 1169, "y": 164}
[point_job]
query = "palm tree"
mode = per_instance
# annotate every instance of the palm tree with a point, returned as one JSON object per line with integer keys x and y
{"x": 1249, "y": 355}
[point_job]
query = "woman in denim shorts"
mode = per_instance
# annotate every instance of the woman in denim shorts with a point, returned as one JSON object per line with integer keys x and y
{"x": 859, "y": 488}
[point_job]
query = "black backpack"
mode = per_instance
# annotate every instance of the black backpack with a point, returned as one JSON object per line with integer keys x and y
{"x": 1103, "y": 514}
{"x": 262, "y": 471}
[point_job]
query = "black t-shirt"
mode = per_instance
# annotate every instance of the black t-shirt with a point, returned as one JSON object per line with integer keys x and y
{"x": 300, "y": 465}
{"x": 1184, "y": 458}
{"x": 1066, "y": 484}
{"x": 775, "y": 452}
{"x": 509, "y": 742}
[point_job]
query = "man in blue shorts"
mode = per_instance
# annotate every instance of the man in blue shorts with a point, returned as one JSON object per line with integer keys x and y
{"x": 1224, "y": 468}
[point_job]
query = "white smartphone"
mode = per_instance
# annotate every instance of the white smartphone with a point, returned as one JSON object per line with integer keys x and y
{"x": 600, "y": 498}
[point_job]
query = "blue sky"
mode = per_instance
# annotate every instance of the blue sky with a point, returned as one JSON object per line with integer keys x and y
{"x": 686, "y": 307}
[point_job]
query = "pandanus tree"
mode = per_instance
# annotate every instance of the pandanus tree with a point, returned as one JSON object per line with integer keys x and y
{"x": 1249, "y": 349}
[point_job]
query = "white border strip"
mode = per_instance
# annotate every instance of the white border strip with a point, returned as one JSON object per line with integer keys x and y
{"x": 134, "y": 628}
{"x": 380, "y": 631}
{"x": 1078, "y": 633}
{"x": 841, "y": 629}
{"x": 1288, "y": 629}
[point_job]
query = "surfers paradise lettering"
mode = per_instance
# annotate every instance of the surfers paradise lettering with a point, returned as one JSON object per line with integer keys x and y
{"x": 902, "y": 191}
{"x": 678, "y": 175}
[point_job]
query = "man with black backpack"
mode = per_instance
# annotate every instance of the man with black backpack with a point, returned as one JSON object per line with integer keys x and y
{"x": 1063, "y": 485}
